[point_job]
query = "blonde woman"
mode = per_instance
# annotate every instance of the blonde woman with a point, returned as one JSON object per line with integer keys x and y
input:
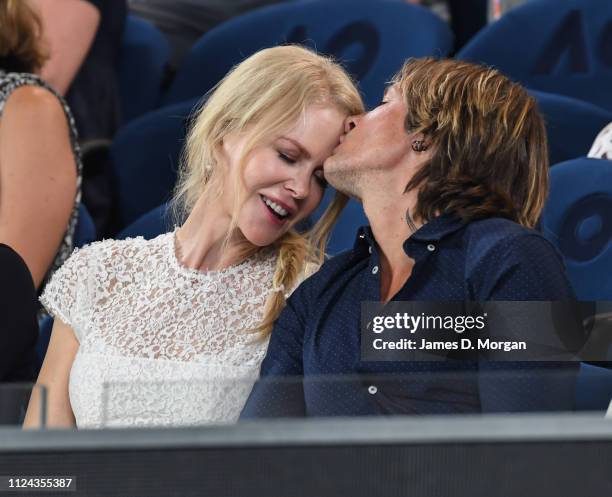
{"x": 172, "y": 331}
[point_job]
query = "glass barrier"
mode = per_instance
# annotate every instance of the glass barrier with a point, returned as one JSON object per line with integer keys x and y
{"x": 14, "y": 399}
{"x": 436, "y": 388}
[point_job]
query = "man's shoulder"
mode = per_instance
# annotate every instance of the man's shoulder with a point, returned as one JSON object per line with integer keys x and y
{"x": 331, "y": 273}
{"x": 496, "y": 233}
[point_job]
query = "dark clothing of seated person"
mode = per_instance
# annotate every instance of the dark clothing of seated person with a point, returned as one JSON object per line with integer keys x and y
{"x": 184, "y": 22}
{"x": 452, "y": 172}
{"x": 18, "y": 325}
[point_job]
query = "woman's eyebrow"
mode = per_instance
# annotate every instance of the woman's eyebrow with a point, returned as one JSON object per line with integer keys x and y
{"x": 298, "y": 145}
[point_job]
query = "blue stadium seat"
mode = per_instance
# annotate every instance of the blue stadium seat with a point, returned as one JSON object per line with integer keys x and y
{"x": 45, "y": 326}
{"x": 371, "y": 38}
{"x": 142, "y": 63}
{"x": 577, "y": 220}
{"x": 85, "y": 233}
{"x": 571, "y": 125}
{"x": 593, "y": 388}
{"x": 145, "y": 155}
{"x": 151, "y": 224}
{"x": 557, "y": 47}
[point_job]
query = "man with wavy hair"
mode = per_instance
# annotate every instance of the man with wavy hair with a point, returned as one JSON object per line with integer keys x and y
{"x": 452, "y": 172}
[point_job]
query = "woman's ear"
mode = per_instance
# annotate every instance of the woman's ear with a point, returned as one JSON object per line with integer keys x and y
{"x": 220, "y": 152}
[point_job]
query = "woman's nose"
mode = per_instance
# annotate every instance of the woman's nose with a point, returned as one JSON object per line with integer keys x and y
{"x": 299, "y": 185}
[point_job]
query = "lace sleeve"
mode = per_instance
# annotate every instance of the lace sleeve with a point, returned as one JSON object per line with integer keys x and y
{"x": 68, "y": 293}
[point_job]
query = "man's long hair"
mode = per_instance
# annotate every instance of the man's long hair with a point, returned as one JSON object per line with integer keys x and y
{"x": 490, "y": 153}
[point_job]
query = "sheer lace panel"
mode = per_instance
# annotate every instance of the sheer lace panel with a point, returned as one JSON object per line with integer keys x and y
{"x": 142, "y": 303}
{"x": 159, "y": 343}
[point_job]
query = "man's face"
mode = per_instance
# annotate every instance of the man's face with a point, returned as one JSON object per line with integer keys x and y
{"x": 372, "y": 142}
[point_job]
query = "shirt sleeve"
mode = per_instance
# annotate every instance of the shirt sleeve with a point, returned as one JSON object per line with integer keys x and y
{"x": 528, "y": 269}
{"x": 68, "y": 295}
{"x": 279, "y": 392}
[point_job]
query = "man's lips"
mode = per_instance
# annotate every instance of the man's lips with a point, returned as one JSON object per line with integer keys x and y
{"x": 342, "y": 140}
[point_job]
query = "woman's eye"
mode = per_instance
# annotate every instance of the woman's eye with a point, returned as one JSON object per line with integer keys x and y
{"x": 286, "y": 158}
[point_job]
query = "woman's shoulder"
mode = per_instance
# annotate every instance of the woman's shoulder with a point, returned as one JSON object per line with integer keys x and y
{"x": 35, "y": 103}
{"x": 27, "y": 96}
{"x": 114, "y": 253}
{"x": 28, "y": 89}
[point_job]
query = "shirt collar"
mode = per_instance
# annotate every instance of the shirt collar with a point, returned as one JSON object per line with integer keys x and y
{"x": 434, "y": 230}
{"x": 363, "y": 240}
{"x": 437, "y": 228}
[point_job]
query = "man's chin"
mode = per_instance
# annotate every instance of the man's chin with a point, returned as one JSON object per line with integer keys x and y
{"x": 342, "y": 179}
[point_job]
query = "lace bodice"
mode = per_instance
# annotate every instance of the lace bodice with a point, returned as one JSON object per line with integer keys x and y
{"x": 160, "y": 344}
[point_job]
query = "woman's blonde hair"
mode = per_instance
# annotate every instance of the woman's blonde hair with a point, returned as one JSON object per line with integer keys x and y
{"x": 261, "y": 97}
{"x": 20, "y": 37}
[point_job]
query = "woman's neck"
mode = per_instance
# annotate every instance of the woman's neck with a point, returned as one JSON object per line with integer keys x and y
{"x": 202, "y": 241}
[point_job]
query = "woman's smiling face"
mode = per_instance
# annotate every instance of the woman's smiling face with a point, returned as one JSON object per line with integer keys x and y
{"x": 283, "y": 179}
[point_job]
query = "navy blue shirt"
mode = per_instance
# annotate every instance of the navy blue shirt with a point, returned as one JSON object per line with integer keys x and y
{"x": 316, "y": 340}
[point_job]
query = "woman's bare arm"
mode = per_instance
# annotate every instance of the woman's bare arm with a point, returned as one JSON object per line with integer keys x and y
{"x": 54, "y": 376}
{"x": 37, "y": 177}
{"x": 69, "y": 28}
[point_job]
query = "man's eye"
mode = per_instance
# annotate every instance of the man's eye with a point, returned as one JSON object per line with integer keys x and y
{"x": 286, "y": 158}
{"x": 382, "y": 102}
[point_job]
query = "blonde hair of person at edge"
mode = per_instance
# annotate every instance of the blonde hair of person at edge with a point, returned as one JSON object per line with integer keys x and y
{"x": 172, "y": 331}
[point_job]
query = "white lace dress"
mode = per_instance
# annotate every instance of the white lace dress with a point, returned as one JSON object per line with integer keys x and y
{"x": 160, "y": 344}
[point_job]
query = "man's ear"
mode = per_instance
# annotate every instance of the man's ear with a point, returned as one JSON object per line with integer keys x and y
{"x": 420, "y": 142}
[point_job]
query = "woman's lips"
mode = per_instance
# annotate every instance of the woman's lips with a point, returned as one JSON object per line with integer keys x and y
{"x": 271, "y": 215}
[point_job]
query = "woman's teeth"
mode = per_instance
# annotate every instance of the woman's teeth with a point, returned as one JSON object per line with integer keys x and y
{"x": 275, "y": 207}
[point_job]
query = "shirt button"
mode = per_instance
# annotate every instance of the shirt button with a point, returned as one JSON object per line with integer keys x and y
{"x": 372, "y": 390}
{"x": 370, "y": 249}
{"x": 431, "y": 247}
{"x": 375, "y": 270}
{"x": 362, "y": 236}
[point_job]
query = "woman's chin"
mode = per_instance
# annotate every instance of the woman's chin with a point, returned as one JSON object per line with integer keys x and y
{"x": 260, "y": 239}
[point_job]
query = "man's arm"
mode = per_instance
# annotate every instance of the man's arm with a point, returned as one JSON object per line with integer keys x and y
{"x": 531, "y": 271}
{"x": 280, "y": 392}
